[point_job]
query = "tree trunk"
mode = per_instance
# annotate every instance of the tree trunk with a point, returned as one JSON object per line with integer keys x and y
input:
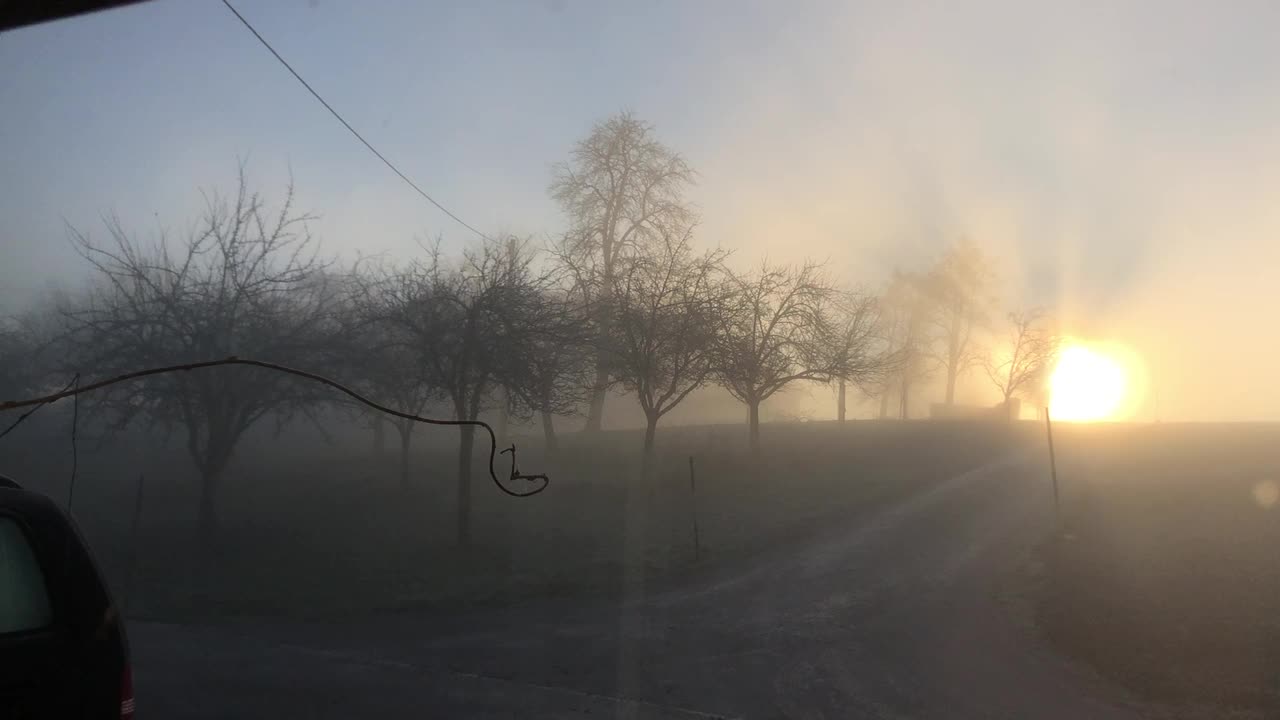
{"x": 211, "y": 460}
{"x": 840, "y": 404}
{"x": 549, "y": 432}
{"x": 210, "y": 482}
{"x": 884, "y": 402}
{"x": 595, "y": 413}
{"x": 953, "y": 359}
{"x": 904, "y": 401}
{"x": 406, "y": 439}
{"x": 753, "y": 423}
{"x": 379, "y": 434}
{"x": 1009, "y": 414}
{"x": 504, "y": 417}
{"x": 464, "y": 484}
{"x": 650, "y": 435}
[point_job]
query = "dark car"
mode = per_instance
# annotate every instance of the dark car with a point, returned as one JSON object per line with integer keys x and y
{"x": 63, "y": 652}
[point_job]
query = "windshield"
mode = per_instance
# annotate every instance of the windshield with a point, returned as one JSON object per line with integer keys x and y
{"x": 657, "y": 360}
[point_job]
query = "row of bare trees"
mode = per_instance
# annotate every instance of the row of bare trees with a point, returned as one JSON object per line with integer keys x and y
{"x": 623, "y": 192}
{"x": 503, "y": 324}
{"x": 940, "y": 322}
{"x": 668, "y": 320}
{"x": 622, "y": 300}
{"x": 490, "y": 327}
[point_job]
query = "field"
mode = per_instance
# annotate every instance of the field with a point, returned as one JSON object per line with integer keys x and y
{"x": 1165, "y": 577}
{"x": 1162, "y": 578}
{"x": 324, "y": 531}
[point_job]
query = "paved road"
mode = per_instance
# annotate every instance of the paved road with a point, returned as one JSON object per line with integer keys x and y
{"x": 904, "y": 614}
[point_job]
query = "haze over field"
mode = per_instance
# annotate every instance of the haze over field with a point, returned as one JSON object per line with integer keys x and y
{"x": 1118, "y": 162}
{"x": 758, "y": 293}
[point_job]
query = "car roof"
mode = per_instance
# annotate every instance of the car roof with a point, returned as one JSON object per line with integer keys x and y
{"x": 76, "y": 582}
{"x": 35, "y": 507}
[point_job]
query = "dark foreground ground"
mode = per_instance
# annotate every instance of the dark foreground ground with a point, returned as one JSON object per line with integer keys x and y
{"x": 320, "y": 531}
{"x": 1166, "y": 577}
{"x": 905, "y": 611}
{"x": 871, "y": 570}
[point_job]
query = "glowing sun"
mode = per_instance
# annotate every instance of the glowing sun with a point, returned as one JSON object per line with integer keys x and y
{"x": 1086, "y": 385}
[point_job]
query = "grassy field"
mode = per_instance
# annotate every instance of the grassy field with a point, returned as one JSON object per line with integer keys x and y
{"x": 318, "y": 531}
{"x": 1166, "y": 575}
{"x": 1163, "y": 578}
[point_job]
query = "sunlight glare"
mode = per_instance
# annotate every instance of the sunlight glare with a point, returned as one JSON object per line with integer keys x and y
{"x": 1086, "y": 385}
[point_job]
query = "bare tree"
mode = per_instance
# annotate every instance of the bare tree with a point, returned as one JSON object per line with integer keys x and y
{"x": 906, "y": 308}
{"x": 867, "y": 358}
{"x": 959, "y": 286}
{"x": 1032, "y": 351}
{"x": 779, "y": 327}
{"x": 552, "y": 376}
{"x": 620, "y": 189}
{"x": 383, "y": 359}
{"x": 398, "y": 376}
{"x": 33, "y": 347}
{"x": 245, "y": 281}
{"x": 462, "y": 324}
{"x": 664, "y": 326}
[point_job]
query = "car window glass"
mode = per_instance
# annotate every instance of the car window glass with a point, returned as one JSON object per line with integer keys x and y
{"x": 24, "y": 599}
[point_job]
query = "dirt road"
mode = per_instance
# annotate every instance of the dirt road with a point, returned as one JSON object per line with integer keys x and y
{"x": 910, "y": 612}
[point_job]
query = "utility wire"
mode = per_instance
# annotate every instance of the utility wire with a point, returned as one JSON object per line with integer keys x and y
{"x": 33, "y": 410}
{"x": 74, "y": 388}
{"x": 347, "y": 125}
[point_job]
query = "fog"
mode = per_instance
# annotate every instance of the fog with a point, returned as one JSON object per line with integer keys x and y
{"x": 843, "y": 337}
{"x": 1116, "y": 162}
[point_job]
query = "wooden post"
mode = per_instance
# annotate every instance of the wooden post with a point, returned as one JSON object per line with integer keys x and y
{"x": 693, "y": 503}
{"x": 1053, "y": 465}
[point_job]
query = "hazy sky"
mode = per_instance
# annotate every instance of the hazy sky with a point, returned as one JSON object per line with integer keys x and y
{"x": 1121, "y": 160}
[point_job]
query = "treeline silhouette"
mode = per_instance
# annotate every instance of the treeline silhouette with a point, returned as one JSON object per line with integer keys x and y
{"x": 622, "y": 299}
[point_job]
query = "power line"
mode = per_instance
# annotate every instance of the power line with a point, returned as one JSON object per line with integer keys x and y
{"x": 33, "y": 410}
{"x": 347, "y": 125}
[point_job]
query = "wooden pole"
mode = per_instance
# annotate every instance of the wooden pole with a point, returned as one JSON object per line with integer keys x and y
{"x": 693, "y": 504}
{"x": 1053, "y": 465}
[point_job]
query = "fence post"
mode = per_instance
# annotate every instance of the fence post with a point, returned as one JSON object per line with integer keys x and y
{"x": 1053, "y": 466}
{"x": 693, "y": 503}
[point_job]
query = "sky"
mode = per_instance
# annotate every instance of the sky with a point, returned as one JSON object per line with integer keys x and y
{"x": 1118, "y": 159}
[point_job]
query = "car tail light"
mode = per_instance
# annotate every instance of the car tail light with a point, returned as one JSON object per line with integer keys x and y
{"x": 126, "y": 694}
